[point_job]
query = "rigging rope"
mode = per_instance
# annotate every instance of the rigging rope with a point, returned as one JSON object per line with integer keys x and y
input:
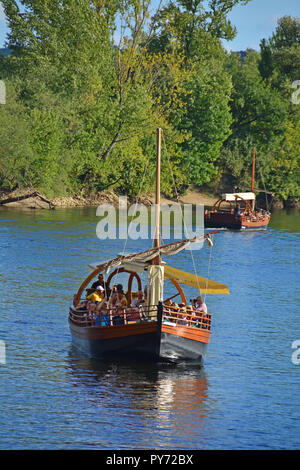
{"x": 263, "y": 182}
{"x": 135, "y": 207}
{"x": 208, "y": 269}
{"x": 185, "y": 228}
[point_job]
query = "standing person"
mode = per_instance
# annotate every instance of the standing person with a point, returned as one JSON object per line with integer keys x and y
{"x": 99, "y": 282}
{"x": 200, "y": 306}
{"x": 237, "y": 210}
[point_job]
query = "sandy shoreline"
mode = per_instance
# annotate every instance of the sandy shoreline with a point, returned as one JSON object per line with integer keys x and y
{"x": 191, "y": 197}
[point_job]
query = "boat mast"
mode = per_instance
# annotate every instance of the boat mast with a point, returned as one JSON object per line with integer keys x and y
{"x": 253, "y": 171}
{"x": 157, "y": 194}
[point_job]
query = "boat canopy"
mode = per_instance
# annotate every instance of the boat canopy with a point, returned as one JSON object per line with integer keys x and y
{"x": 232, "y": 197}
{"x": 205, "y": 286}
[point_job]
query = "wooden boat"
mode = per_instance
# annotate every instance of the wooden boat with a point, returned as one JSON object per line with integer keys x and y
{"x": 152, "y": 329}
{"x": 240, "y": 216}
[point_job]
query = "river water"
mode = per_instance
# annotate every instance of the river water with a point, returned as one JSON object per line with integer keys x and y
{"x": 245, "y": 397}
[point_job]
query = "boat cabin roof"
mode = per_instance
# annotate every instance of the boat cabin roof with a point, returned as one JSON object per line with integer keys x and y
{"x": 231, "y": 197}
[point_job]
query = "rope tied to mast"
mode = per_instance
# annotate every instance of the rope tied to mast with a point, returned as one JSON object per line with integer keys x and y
{"x": 207, "y": 237}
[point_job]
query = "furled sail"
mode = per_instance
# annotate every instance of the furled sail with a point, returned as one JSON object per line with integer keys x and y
{"x": 142, "y": 257}
{"x": 146, "y": 256}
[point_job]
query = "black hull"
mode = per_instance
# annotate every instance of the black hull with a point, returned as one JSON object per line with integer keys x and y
{"x": 173, "y": 348}
{"x": 209, "y": 224}
{"x": 144, "y": 345}
{"x": 179, "y": 349}
{"x": 232, "y": 226}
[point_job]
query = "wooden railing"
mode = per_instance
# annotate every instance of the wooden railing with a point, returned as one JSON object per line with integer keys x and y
{"x": 113, "y": 316}
{"x": 174, "y": 316}
{"x": 177, "y": 316}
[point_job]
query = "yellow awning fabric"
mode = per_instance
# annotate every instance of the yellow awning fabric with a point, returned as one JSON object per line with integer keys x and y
{"x": 206, "y": 286}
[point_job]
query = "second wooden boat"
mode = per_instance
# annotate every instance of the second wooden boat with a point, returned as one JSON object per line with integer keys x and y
{"x": 237, "y": 211}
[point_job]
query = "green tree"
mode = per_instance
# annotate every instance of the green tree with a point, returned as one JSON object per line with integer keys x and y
{"x": 93, "y": 102}
{"x": 280, "y": 54}
{"x": 189, "y": 21}
{"x": 91, "y": 92}
{"x": 204, "y": 114}
{"x": 15, "y": 152}
{"x": 284, "y": 173}
{"x": 259, "y": 114}
{"x": 280, "y": 68}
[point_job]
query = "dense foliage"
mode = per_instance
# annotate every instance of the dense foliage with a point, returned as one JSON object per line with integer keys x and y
{"x": 89, "y": 81}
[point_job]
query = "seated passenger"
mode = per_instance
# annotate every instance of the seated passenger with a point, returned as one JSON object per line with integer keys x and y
{"x": 167, "y": 310}
{"x": 118, "y": 318}
{"x": 134, "y": 311}
{"x": 182, "y": 315}
{"x": 104, "y": 315}
{"x": 138, "y": 300}
{"x": 174, "y": 311}
{"x": 92, "y": 311}
{"x": 97, "y": 295}
{"x": 81, "y": 305}
{"x": 121, "y": 300}
{"x": 113, "y": 296}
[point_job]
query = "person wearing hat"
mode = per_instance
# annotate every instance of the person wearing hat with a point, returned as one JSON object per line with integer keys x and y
{"x": 98, "y": 295}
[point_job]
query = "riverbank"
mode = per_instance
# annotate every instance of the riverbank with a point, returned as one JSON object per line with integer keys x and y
{"x": 31, "y": 199}
{"x": 39, "y": 201}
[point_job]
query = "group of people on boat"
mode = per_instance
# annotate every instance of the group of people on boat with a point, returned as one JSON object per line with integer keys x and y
{"x": 108, "y": 306}
{"x": 260, "y": 213}
{"x": 195, "y": 314}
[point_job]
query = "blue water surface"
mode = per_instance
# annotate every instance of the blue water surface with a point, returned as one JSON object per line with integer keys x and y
{"x": 245, "y": 397}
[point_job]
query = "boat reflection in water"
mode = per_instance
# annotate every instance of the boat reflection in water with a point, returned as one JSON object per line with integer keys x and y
{"x": 144, "y": 396}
